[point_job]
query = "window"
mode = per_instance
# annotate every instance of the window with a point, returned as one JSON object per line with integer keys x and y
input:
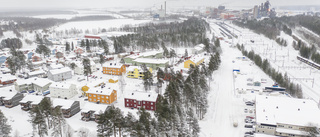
{"x": 102, "y": 100}
{"x": 98, "y": 97}
{"x": 144, "y": 106}
{"x": 135, "y": 105}
{"x": 144, "y": 102}
{"x": 290, "y": 126}
{"x": 94, "y": 95}
{"x": 95, "y": 100}
{"x": 90, "y": 99}
{"x": 107, "y": 97}
{"x": 127, "y": 104}
{"x": 89, "y": 95}
{"x": 151, "y": 103}
{"x": 127, "y": 100}
{"x": 151, "y": 107}
{"x": 139, "y": 102}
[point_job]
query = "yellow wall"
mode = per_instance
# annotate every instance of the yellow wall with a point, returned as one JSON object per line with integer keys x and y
{"x": 106, "y": 99}
{"x": 136, "y": 73}
{"x": 113, "y": 81}
{"x": 188, "y": 62}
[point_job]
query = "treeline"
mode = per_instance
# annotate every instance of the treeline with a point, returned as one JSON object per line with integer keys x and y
{"x": 92, "y": 18}
{"x": 283, "y": 80}
{"x": 269, "y": 27}
{"x": 89, "y": 44}
{"x": 282, "y": 42}
{"x": 11, "y": 43}
{"x": 188, "y": 33}
{"x": 305, "y": 51}
{"x": 28, "y": 23}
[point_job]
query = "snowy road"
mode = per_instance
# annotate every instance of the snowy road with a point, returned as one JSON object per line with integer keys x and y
{"x": 223, "y": 106}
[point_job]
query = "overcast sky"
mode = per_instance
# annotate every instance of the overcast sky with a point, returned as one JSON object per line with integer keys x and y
{"x": 63, "y": 4}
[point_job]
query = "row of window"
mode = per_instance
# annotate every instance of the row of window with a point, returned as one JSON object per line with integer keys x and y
{"x": 102, "y": 101}
{"x": 107, "y": 97}
{"x": 136, "y": 106}
{"x": 144, "y": 102}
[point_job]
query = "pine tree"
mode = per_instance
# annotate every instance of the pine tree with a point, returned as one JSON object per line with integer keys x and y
{"x": 5, "y": 128}
{"x": 87, "y": 45}
{"x": 72, "y": 46}
{"x": 82, "y": 44}
{"x": 67, "y": 46}
{"x": 101, "y": 60}
{"x": 165, "y": 50}
{"x": 186, "y": 53}
{"x": 147, "y": 78}
{"x": 217, "y": 43}
{"x": 38, "y": 122}
{"x": 30, "y": 64}
{"x": 145, "y": 121}
{"x": 86, "y": 67}
{"x": 45, "y": 107}
{"x": 58, "y": 122}
{"x": 73, "y": 65}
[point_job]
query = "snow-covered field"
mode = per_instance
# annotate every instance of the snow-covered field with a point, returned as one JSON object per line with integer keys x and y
{"x": 89, "y": 25}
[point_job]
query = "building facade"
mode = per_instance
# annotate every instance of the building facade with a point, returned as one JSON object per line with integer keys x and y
{"x": 102, "y": 95}
{"x": 63, "y": 90}
{"x": 136, "y": 72}
{"x": 194, "y": 61}
{"x": 139, "y": 100}
{"x": 114, "y": 69}
{"x": 60, "y": 74}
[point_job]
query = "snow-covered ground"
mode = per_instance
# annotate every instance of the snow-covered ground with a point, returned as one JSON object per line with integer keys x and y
{"x": 114, "y": 23}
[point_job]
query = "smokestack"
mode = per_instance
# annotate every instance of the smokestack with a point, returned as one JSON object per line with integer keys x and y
{"x": 165, "y": 8}
{"x": 161, "y": 7}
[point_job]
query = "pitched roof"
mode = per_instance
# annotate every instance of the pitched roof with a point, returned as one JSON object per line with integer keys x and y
{"x": 142, "y": 96}
{"x": 59, "y": 71}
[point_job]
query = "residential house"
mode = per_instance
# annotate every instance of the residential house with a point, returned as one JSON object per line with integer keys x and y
{"x": 106, "y": 94}
{"x": 68, "y": 107}
{"x": 3, "y": 59}
{"x": 30, "y": 101}
{"x": 63, "y": 90}
{"x": 7, "y": 79}
{"x": 60, "y": 74}
{"x": 92, "y": 84}
{"x": 29, "y": 55}
{"x": 136, "y": 72}
{"x": 139, "y": 100}
{"x": 195, "y": 61}
{"x": 198, "y": 49}
{"x": 23, "y": 85}
{"x": 41, "y": 85}
{"x": 78, "y": 51}
{"x": 59, "y": 55}
{"x": 80, "y": 70}
{"x": 92, "y": 111}
{"x": 38, "y": 73}
{"x": 36, "y": 58}
{"x": 114, "y": 69}
{"x": 284, "y": 116}
{"x": 55, "y": 66}
{"x": 10, "y": 98}
{"x": 152, "y": 63}
{"x": 150, "y": 54}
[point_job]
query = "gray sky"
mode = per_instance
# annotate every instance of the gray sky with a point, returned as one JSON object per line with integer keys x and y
{"x": 63, "y": 4}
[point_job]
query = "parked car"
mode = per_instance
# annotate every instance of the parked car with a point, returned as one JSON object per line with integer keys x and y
{"x": 245, "y": 110}
{"x": 248, "y": 126}
{"x": 249, "y": 133}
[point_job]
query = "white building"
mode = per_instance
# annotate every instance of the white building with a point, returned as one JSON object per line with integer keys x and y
{"x": 79, "y": 67}
{"x": 198, "y": 49}
{"x": 63, "y": 90}
{"x": 41, "y": 85}
{"x": 283, "y": 116}
{"x": 55, "y": 66}
{"x": 60, "y": 74}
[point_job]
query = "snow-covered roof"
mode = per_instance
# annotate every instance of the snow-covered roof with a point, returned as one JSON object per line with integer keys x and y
{"x": 7, "y": 94}
{"x": 56, "y": 66}
{"x": 199, "y": 47}
{"x": 101, "y": 91}
{"x": 59, "y": 71}
{"x": 60, "y": 85}
{"x": 142, "y": 96}
{"x": 292, "y": 131}
{"x": 144, "y": 54}
{"x": 132, "y": 68}
{"x": 112, "y": 65}
{"x": 20, "y": 82}
{"x": 94, "y": 107}
{"x": 151, "y": 61}
{"x": 94, "y": 82}
{"x": 273, "y": 110}
{"x": 38, "y": 72}
{"x": 7, "y": 77}
{"x": 196, "y": 59}
{"x": 33, "y": 98}
{"x": 41, "y": 82}
{"x": 65, "y": 104}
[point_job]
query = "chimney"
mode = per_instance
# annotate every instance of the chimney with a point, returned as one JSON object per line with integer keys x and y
{"x": 97, "y": 91}
{"x": 110, "y": 64}
{"x": 277, "y": 107}
{"x": 132, "y": 93}
{"x": 165, "y": 8}
{"x": 298, "y": 109}
{"x": 100, "y": 91}
{"x": 149, "y": 95}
